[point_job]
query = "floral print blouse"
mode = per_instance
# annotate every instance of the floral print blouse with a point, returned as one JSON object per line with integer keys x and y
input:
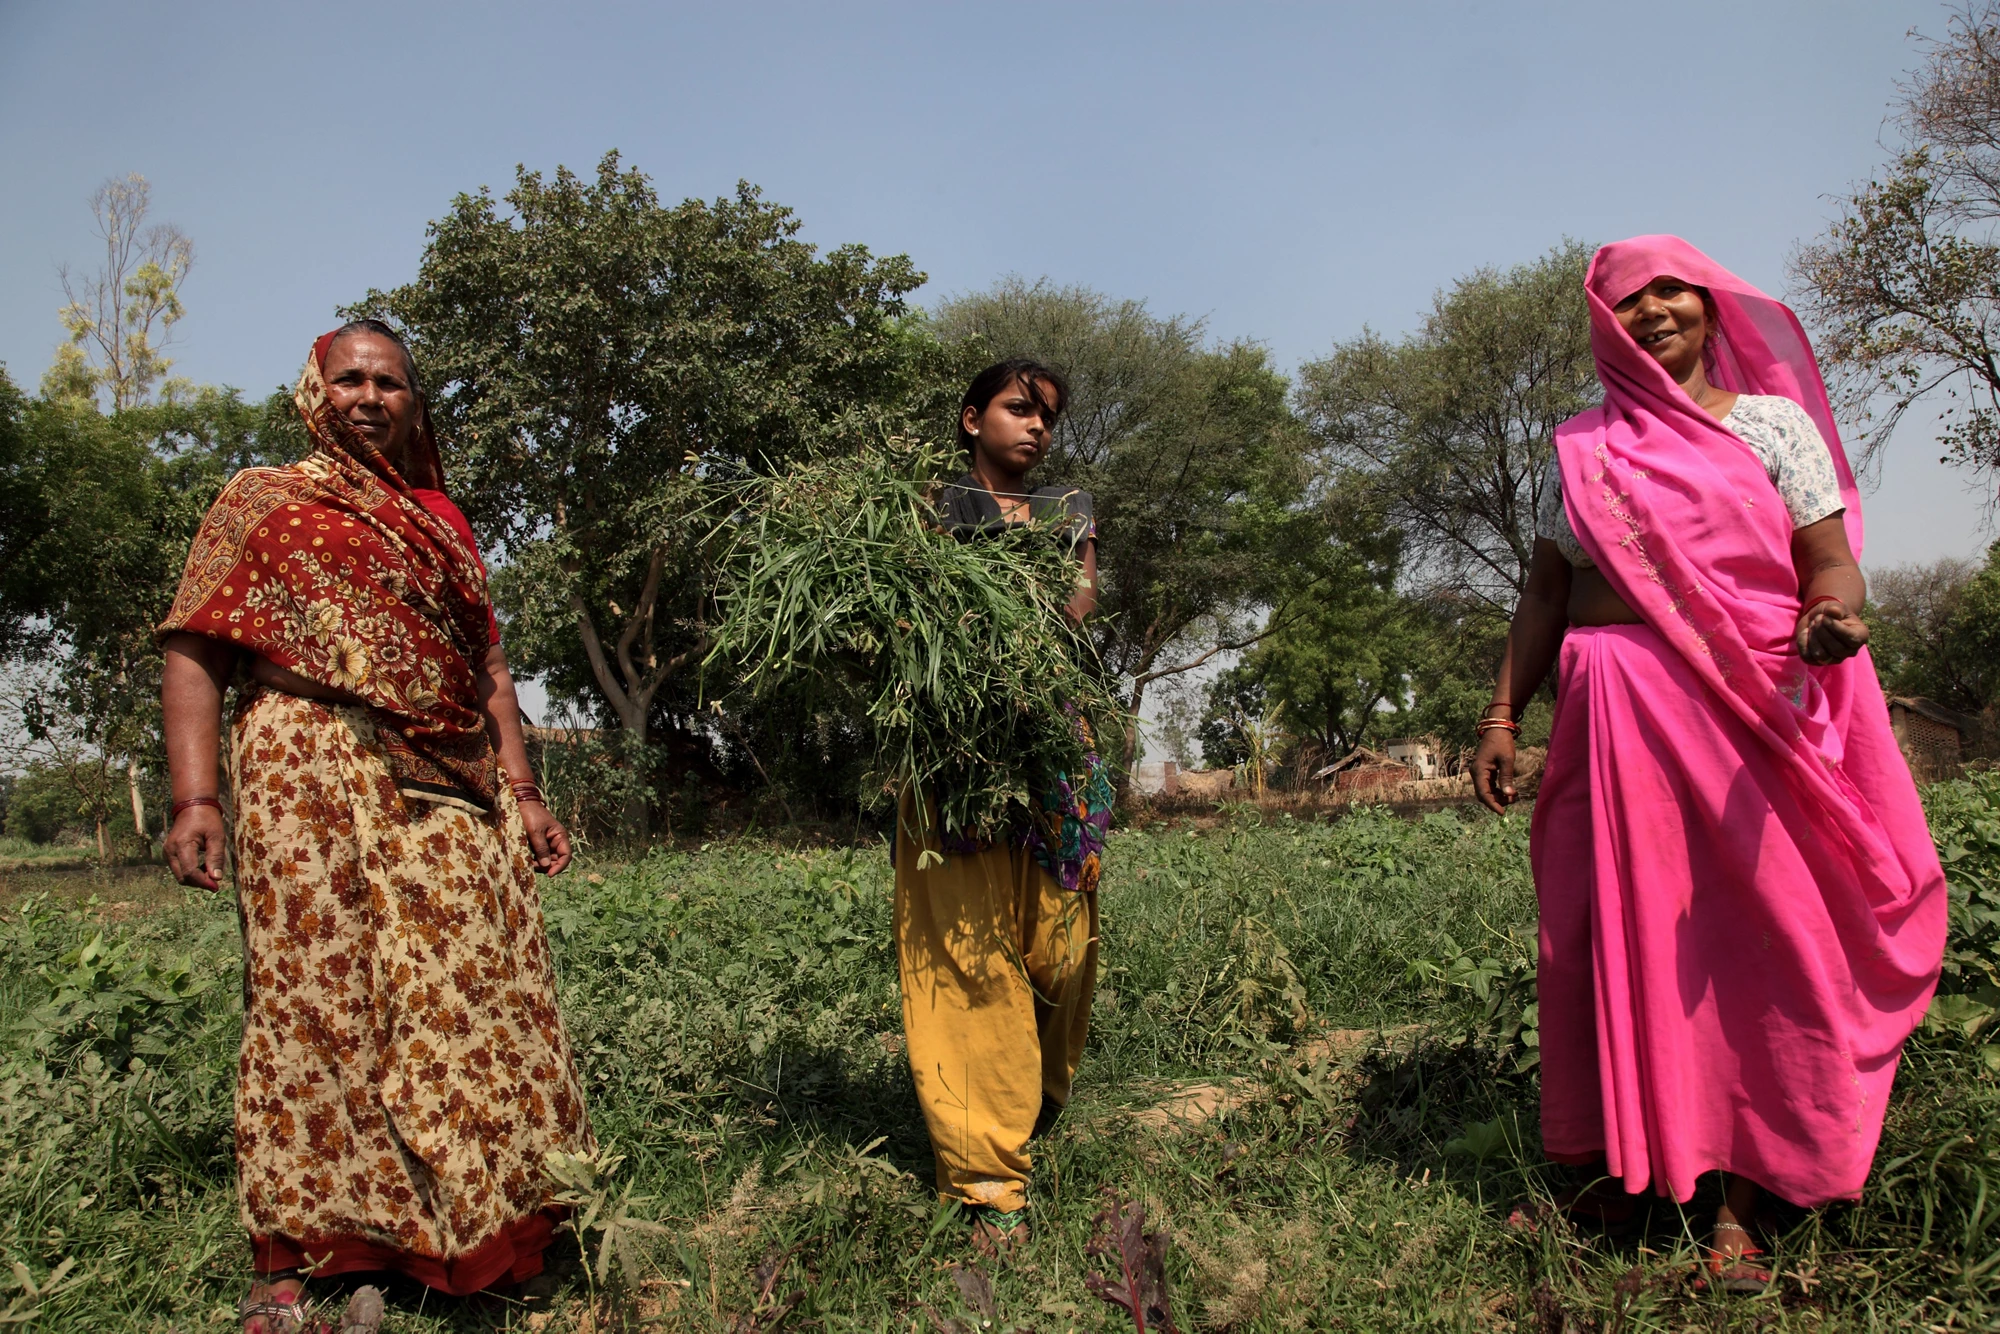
{"x": 1778, "y": 432}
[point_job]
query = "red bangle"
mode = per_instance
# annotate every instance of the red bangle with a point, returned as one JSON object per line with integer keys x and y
{"x": 1488, "y": 724}
{"x": 528, "y": 792}
{"x": 174, "y": 812}
{"x": 1806, "y": 610}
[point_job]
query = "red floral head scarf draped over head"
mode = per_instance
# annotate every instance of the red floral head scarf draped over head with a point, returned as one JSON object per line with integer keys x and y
{"x": 422, "y": 467}
{"x": 329, "y": 567}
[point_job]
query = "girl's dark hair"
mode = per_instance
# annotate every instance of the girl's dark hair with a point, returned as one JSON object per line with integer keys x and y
{"x": 382, "y": 330}
{"x": 1043, "y": 384}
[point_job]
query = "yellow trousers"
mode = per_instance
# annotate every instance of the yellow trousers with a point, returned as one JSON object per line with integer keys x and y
{"x": 997, "y": 963}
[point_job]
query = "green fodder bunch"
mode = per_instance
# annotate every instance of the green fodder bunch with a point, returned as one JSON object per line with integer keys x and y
{"x": 841, "y": 586}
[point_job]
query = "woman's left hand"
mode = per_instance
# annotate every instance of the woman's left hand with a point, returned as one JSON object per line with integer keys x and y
{"x": 1830, "y": 633}
{"x": 547, "y": 837}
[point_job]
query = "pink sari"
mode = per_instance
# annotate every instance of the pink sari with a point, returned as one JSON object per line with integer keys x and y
{"x": 1742, "y": 911}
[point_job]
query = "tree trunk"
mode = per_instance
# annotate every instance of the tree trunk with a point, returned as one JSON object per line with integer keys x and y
{"x": 103, "y": 843}
{"x": 138, "y": 801}
{"x": 636, "y": 677}
{"x": 1131, "y": 747}
{"x": 636, "y": 820}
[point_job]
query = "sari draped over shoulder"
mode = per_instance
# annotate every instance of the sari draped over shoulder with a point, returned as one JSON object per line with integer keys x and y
{"x": 1742, "y": 910}
{"x": 334, "y": 568}
{"x": 404, "y": 1073}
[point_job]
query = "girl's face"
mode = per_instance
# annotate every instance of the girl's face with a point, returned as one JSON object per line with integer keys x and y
{"x": 1012, "y": 434}
{"x": 1668, "y": 319}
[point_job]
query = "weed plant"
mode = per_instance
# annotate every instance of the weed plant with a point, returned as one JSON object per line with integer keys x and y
{"x": 959, "y": 654}
{"x": 1311, "y": 1060}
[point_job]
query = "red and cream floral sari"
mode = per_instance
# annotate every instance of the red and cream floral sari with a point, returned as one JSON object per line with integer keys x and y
{"x": 404, "y": 1070}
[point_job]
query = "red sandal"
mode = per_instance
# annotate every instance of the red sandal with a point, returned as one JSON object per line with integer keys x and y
{"x": 363, "y": 1314}
{"x": 1734, "y": 1273}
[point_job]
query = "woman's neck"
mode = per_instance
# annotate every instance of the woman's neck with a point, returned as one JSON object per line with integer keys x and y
{"x": 995, "y": 480}
{"x": 1705, "y": 395}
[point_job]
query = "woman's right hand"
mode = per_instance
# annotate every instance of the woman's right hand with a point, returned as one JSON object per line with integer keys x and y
{"x": 1493, "y": 770}
{"x": 194, "y": 847}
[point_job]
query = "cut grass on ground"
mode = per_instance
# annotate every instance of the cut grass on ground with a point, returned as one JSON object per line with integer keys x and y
{"x": 1311, "y": 1061}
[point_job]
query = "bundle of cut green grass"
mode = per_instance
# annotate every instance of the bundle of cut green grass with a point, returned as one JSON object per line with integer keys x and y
{"x": 840, "y": 584}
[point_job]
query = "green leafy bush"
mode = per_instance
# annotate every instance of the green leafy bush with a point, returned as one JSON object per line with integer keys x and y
{"x": 1965, "y": 822}
{"x": 44, "y": 807}
{"x": 102, "y": 999}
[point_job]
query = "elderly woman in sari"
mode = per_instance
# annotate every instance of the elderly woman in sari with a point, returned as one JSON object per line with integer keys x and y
{"x": 1742, "y": 914}
{"x": 403, "y": 1071}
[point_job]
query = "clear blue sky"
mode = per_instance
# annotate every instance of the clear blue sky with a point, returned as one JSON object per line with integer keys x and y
{"x": 1289, "y": 172}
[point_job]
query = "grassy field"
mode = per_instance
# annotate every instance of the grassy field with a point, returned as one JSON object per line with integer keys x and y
{"x": 1311, "y": 1063}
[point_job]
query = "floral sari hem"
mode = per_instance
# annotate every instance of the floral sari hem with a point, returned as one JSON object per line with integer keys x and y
{"x": 404, "y": 1071}
{"x": 513, "y": 1255}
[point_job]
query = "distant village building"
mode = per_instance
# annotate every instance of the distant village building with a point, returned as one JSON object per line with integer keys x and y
{"x": 1935, "y": 740}
{"x": 561, "y": 736}
{"x": 1204, "y": 782}
{"x": 1362, "y": 770}
{"x": 1157, "y": 778}
{"x": 1423, "y": 756}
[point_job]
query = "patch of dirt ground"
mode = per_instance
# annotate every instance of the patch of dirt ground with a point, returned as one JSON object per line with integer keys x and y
{"x": 1186, "y": 1106}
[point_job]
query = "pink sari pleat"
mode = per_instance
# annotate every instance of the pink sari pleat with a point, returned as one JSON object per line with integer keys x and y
{"x": 1697, "y": 1007}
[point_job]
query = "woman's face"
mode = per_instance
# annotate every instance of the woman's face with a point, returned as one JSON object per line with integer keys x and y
{"x": 368, "y": 383}
{"x": 1668, "y": 319}
{"x": 1012, "y": 433}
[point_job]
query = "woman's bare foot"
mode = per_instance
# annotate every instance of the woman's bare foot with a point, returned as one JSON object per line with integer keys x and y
{"x": 1737, "y": 1214}
{"x": 1731, "y": 1243}
{"x": 275, "y": 1305}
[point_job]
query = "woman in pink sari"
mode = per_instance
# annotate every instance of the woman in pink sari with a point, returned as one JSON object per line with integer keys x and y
{"x": 1742, "y": 914}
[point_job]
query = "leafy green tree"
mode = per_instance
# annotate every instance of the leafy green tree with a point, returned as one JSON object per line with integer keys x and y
{"x": 594, "y": 354}
{"x": 1197, "y": 465}
{"x": 1904, "y": 288}
{"x": 1454, "y": 654}
{"x": 1335, "y": 669}
{"x": 42, "y": 806}
{"x": 1445, "y": 436}
{"x": 1936, "y": 631}
{"x": 1337, "y": 665}
{"x": 98, "y": 513}
{"x": 1235, "y": 699}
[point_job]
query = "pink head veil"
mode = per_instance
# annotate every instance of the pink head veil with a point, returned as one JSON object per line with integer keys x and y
{"x": 1756, "y": 347}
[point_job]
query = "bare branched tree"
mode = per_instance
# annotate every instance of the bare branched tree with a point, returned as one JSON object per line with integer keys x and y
{"x": 121, "y": 318}
{"x": 1904, "y": 289}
